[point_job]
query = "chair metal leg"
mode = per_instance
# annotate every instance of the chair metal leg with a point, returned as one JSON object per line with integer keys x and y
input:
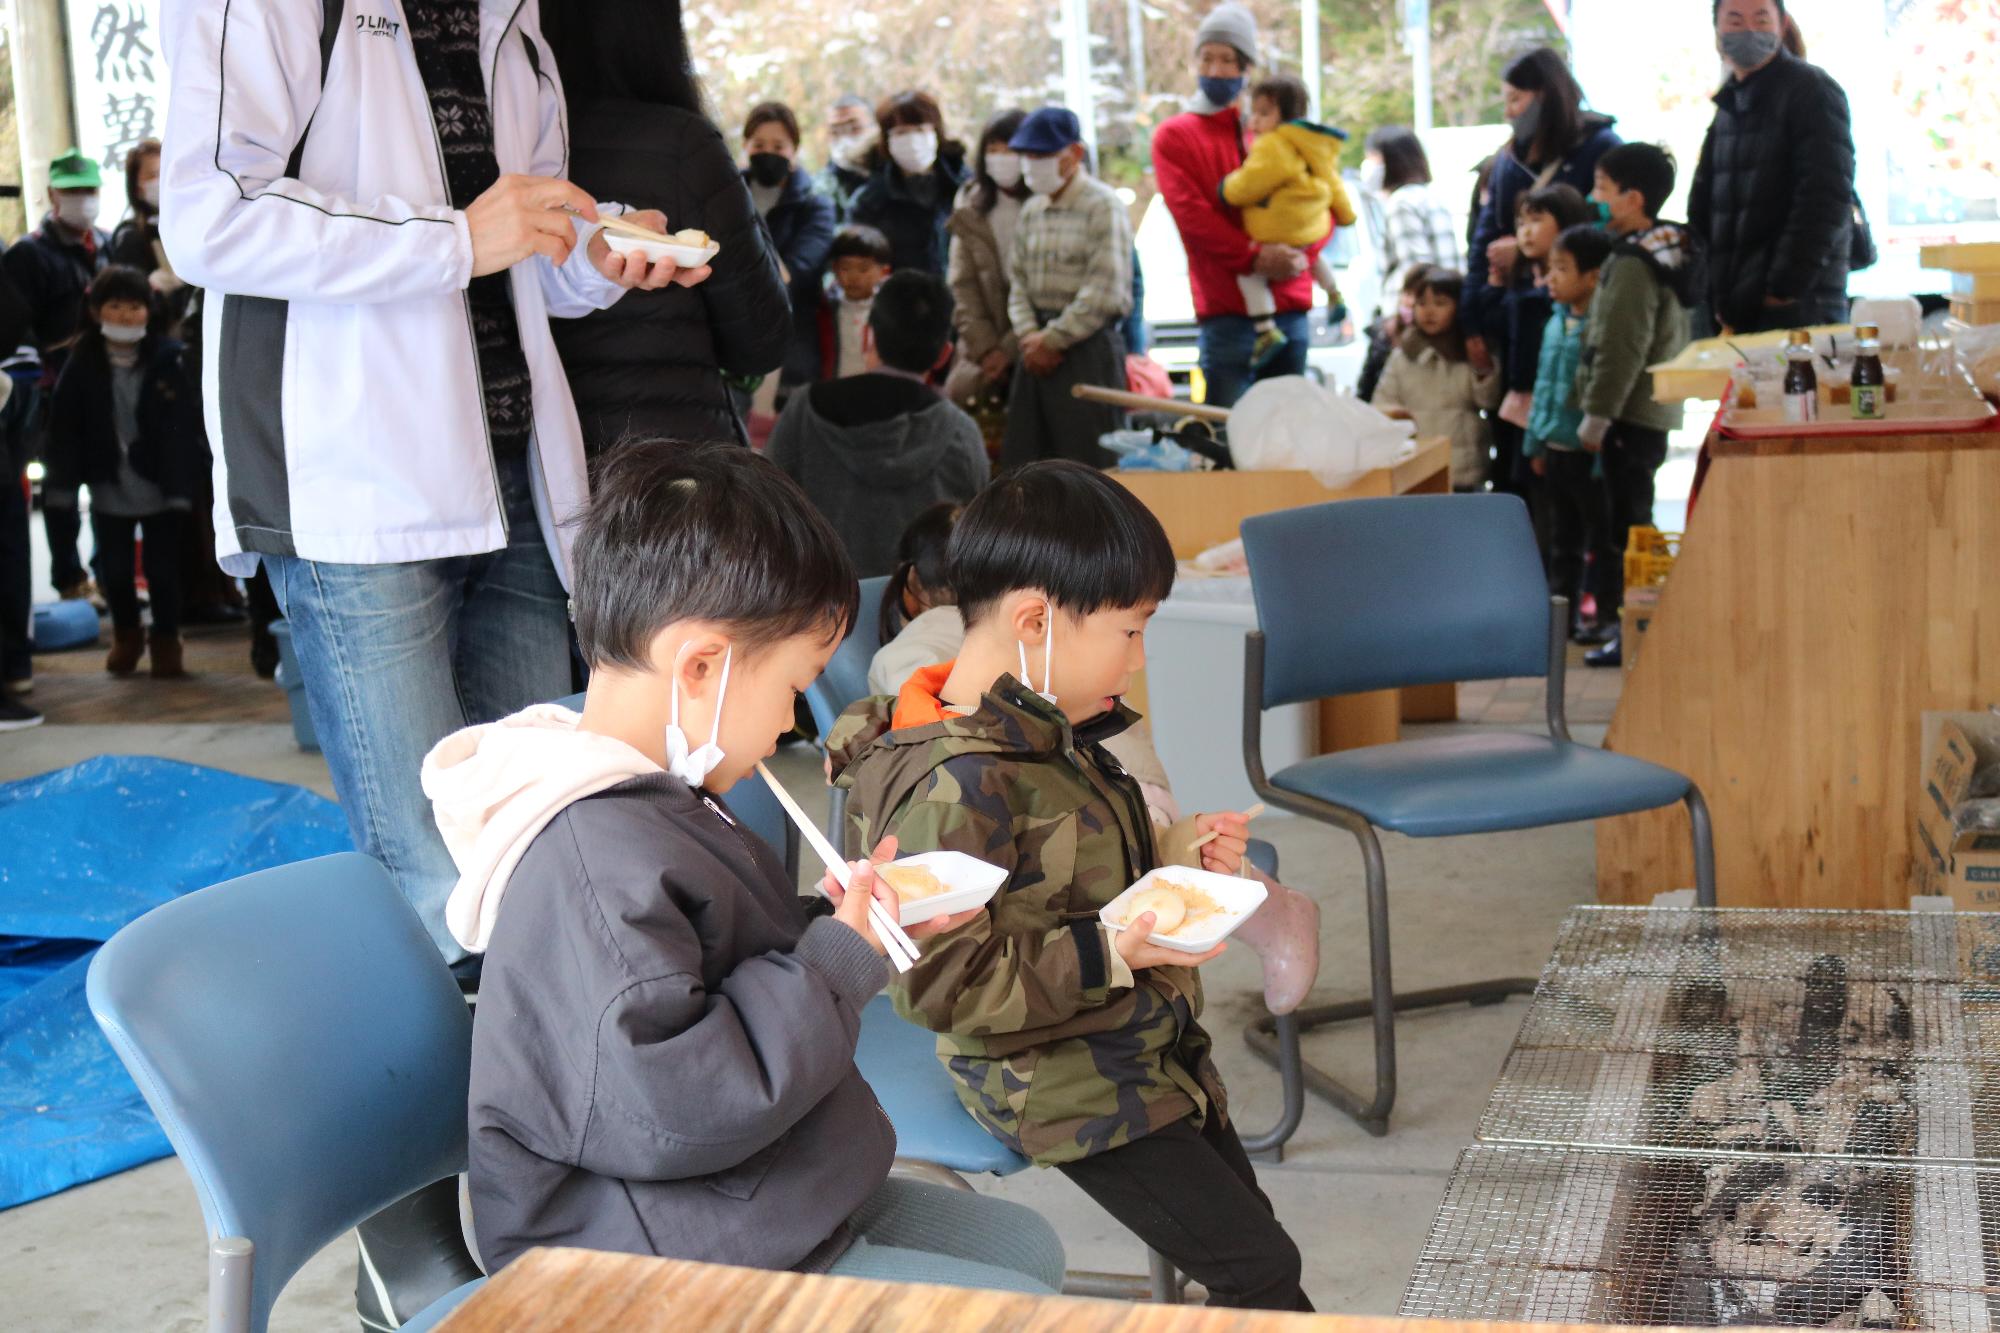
{"x": 1276, "y": 1040}
{"x": 931, "y": 1173}
{"x": 1166, "y": 1282}
{"x": 1282, "y": 1051}
{"x": 836, "y": 818}
{"x": 1704, "y": 847}
{"x": 229, "y": 1269}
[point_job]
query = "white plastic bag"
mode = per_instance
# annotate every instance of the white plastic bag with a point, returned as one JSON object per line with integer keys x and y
{"x": 1294, "y": 423}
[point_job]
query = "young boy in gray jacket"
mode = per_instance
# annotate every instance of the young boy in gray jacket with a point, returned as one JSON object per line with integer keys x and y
{"x": 663, "y": 1053}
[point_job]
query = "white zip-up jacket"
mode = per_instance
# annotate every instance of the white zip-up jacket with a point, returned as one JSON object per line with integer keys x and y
{"x": 341, "y": 383}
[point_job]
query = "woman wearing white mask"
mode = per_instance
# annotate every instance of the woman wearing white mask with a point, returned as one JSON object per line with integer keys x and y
{"x": 136, "y": 242}
{"x": 917, "y": 175}
{"x": 982, "y": 233}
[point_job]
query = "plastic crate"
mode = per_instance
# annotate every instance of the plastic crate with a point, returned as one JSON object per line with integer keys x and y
{"x": 1649, "y": 557}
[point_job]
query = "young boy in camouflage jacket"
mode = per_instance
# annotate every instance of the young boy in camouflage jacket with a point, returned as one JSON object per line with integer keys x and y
{"x": 1075, "y": 1046}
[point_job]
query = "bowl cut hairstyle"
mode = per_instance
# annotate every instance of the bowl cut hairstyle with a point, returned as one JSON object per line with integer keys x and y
{"x": 703, "y": 532}
{"x": 1063, "y": 528}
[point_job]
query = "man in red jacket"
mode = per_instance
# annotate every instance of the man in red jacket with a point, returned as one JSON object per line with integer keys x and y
{"x": 1192, "y": 152}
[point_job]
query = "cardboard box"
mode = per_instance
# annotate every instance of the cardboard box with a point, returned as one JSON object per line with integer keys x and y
{"x": 1959, "y": 748}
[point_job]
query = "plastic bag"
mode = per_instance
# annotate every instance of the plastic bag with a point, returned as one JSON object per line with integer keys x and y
{"x": 1294, "y": 423}
{"x": 1979, "y": 353}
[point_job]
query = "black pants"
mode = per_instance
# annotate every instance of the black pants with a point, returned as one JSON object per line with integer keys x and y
{"x": 64, "y": 525}
{"x": 16, "y": 594}
{"x": 1632, "y": 457}
{"x": 1578, "y": 506}
{"x": 1192, "y": 1195}
{"x": 165, "y": 536}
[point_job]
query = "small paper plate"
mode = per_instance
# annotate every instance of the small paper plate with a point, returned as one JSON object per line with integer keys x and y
{"x": 687, "y": 256}
{"x": 969, "y": 883}
{"x": 1239, "y": 899}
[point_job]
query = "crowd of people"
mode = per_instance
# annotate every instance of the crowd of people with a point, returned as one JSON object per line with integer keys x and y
{"x": 474, "y": 456}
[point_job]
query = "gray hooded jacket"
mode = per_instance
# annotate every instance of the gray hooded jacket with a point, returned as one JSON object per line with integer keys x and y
{"x": 874, "y": 451}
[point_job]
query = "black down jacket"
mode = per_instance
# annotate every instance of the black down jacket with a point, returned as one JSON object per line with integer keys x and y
{"x": 1773, "y": 198}
{"x": 651, "y": 367}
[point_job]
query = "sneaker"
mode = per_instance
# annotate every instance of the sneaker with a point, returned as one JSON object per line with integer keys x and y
{"x": 1269, "y": 343}
{"x": 1610, "y": 655}
{"x": 17, "y": 716}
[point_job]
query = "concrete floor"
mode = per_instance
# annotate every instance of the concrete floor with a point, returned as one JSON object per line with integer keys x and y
{"x": 126, "y": 1253}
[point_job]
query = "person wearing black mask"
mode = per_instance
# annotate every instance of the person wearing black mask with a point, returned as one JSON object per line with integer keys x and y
{"x": 1773, "y": 194}
{"x": 801, "y": 222}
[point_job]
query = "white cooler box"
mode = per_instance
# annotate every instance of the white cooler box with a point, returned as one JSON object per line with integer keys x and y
{"x": 1194, "y": 695}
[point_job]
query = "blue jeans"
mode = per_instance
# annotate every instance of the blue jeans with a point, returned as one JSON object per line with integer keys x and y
{"x": 1227, "y": 342}
{"x": 397, "y": 657}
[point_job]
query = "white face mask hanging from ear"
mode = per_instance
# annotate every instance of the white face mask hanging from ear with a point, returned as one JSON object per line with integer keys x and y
{"x": 1048, "y": 660}
{"x": 693, "y": 767}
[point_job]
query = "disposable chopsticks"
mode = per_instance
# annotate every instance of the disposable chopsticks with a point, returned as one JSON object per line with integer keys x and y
{"x": 901, "y": 948}
{"x": 1207, "y": 838}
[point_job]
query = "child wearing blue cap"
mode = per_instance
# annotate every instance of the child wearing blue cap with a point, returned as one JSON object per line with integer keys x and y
{"x": 1070, "y": 276}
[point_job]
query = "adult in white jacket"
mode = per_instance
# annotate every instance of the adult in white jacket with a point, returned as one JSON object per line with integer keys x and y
{"x": 401, "y": 459}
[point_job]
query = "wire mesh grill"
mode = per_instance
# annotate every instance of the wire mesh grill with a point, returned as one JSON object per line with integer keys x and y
{"x": 1780, "y": 943}
{"x": 1873, "y": 1034}
{"x": 1581, "y": 1235}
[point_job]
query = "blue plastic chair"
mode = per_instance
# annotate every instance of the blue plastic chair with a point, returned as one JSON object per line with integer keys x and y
{"x": 307, "y": 1053}
{"x": 845, "y": 681}
{"x": 1380, "y": 594}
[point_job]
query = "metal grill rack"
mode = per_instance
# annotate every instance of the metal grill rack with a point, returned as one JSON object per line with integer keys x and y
{"x": 1739, "y": 1117}
{"x": 1651, "y": 1238}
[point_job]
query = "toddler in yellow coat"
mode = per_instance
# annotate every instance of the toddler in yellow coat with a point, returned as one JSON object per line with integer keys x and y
{"x": 1290, "y": 191}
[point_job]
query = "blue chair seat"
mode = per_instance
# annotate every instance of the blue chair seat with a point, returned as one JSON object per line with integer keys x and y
{"x": 1454, "y": 785}
{"x": 899, "y": 1060}
{"x": 434, "y": 1314}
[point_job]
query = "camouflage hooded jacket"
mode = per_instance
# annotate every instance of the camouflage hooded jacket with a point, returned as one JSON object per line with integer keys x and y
{"x": 1055, "y": 1046}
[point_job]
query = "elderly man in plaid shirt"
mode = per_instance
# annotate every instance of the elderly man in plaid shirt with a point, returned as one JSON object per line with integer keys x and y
{"x": 1070, "y": 279}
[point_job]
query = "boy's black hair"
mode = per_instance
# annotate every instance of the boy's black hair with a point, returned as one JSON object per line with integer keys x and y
{"x": 911, "y": 320}
{"x": 855, "y": 241}
{"x": 1564, "y": 203}
{"x": 119, "y": 282}
{"x": 1065, "y": 529}
{"x": 922, "y": 552}
{"x": 1645, "y": 167}
{"x": 1285, "y": 92}
{"x": 703, "y": 532}
{"x": 1588, "y": 245}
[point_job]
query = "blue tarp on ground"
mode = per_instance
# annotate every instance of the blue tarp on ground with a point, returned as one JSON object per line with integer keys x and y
{"x": 83, "y": 851}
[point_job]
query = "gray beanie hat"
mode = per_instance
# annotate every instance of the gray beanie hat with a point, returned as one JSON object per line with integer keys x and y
{"x": 1232, "y": 25}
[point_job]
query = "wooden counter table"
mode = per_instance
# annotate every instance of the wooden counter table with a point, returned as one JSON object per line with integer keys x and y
{"x": 1829, "y": 591}
{"x": 1204, "y": 509}
{"x": 578, "y": 1291}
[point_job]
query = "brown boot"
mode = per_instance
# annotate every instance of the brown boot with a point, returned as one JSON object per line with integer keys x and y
{"x": 166, "y": 651}
{"x": 127, "y": 647}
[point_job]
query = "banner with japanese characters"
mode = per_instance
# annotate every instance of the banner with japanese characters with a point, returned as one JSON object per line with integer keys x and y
{"x": 119, "y": 81}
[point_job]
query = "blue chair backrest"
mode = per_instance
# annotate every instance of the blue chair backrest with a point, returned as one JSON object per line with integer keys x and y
{"x": 1375, "y": 594}
{"x": 846, "y": 676}
{"x": 303, "y": 1046}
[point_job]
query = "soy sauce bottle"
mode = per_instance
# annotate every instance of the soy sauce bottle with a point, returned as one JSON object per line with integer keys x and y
{"x": 1801, "y": 381}
{"x": 1868, "y": 383}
